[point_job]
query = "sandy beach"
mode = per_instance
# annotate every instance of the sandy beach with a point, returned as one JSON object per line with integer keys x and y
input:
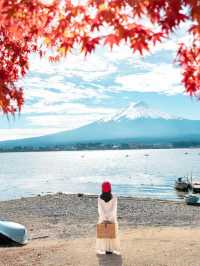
{"x": 62, "y": 232}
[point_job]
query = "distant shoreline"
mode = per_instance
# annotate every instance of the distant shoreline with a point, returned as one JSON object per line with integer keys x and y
{"x": 105, "y": 149}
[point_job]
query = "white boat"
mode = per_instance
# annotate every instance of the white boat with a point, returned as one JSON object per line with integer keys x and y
{"x": 14, "y": 232}
{"x": 196, "y": 187}
{"x": 182, "y": 185}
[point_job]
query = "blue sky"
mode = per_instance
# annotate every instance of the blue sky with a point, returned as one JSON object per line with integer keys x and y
{"x": 79, "y": 90}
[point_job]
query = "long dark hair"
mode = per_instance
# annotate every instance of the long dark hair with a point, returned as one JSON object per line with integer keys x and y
{"x": 106, "y": 196}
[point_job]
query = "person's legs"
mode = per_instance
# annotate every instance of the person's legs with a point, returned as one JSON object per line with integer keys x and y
{"x": 109, "y": 252}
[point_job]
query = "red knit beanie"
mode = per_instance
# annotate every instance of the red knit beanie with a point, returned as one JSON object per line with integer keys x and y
{"x": 106, "y": 187}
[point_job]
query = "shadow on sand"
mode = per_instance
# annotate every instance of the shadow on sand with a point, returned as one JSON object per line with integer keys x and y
{"x": 110, "y": 260}
{"x": 6, "y": 242}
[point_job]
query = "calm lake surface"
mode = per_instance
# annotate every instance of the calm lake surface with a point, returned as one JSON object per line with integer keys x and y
{"x": 141, "y": 173}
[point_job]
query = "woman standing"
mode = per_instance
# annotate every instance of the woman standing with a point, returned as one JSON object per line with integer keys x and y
{"x": 107, "y": 209}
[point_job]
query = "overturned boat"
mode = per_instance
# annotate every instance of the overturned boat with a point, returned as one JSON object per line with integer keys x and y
{"x": 191, "y": 199}
{"x": 196, "y": 187}
{"x": 11, "y": 232}
{"x": 182, "y": 185}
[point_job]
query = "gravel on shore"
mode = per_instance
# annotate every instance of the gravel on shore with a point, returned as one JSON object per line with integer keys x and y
{"x": 61, "y": 215}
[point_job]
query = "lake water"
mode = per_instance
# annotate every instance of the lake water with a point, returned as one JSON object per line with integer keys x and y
{"x": 131, "y": 172}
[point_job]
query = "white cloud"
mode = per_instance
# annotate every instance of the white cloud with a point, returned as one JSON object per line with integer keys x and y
{"x": 48, "y": 90}
{"x": 63, "y": 122}
{"x": 74, "y": 65}
{"x": 59, "y": 105}
{"x": 77, "y": 115}
{"x": 19, "y": 133}
{"x": 74, "y": 116}
{"x": 63, "y": 93}
{"x": 51, "y": 95}
{"x": 163, "y": 78}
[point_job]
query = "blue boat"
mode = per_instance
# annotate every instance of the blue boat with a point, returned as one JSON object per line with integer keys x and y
{"x": 14, "y": 232}
{"x": 191, "y": 199}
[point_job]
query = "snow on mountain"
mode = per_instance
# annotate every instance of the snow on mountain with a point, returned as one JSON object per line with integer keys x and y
{"x": 136, "y": 111}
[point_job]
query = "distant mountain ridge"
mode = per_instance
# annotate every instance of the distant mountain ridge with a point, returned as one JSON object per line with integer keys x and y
{"x": 136, "y": 122}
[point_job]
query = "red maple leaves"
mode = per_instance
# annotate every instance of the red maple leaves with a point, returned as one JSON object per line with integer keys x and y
{"x": 63, "y": 26}
{"x": 189, "y": 60}
{"x": 21, "y": 24}
{"x": 14, "y": 62}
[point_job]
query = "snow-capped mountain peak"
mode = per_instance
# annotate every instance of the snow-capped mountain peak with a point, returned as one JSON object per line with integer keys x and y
{"x": 140, "y": 104}
{"x": 139, "y": 110}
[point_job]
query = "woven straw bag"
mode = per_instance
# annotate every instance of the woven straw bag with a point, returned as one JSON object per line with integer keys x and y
{"x": 106, "y": 230}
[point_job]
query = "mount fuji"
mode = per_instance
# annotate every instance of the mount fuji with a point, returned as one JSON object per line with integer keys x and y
{"x": 136, "y": 123}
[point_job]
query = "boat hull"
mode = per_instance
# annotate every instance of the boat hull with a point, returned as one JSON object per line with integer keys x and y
{"x": 182, "y": 186}
{"x": 14, "y": 231}
{"x": 191, "y": 199}
{"x": 196, "y": 189}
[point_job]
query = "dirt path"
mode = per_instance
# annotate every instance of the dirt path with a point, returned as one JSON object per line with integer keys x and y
{"x": 140, "y": 246}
